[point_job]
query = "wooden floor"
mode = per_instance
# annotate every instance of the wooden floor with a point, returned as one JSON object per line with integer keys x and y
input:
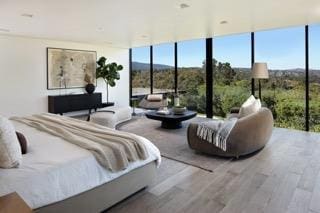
{"x": 283, "y": 177}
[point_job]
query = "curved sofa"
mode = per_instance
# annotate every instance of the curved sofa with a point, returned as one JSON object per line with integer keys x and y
{"x": 249, "y": 134}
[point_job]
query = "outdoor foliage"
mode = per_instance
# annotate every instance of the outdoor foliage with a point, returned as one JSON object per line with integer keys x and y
{"x": 283, "y": 93}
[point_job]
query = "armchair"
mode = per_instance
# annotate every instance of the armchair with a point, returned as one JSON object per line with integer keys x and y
{"x": 249, "y": 134}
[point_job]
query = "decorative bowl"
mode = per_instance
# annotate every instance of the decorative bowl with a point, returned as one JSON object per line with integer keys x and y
{"x": 179, "y": 110}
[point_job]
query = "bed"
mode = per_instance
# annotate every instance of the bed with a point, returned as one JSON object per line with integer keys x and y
{"x": 57, "y": 176}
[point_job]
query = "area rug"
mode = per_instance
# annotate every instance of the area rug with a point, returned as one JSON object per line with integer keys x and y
{"x": 172, "y": 143}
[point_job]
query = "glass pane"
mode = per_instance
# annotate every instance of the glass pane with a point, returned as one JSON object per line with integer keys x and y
{"x": 314, "y": 77}
{"x": 140, "y": 71}
{"x": 284, "y": 92}
{"x": 163, "y": 68}
{"x": 191, "y": 74}
{"x": 231, "y": 72}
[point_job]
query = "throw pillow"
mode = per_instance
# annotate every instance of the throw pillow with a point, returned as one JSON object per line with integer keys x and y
{"x": 249, "y": 101}
{"x": 251, "y": 105}
{"x": 23, "y": 142}
{"x": 10, "y": 151}
{"x": 258, "y": 102}
{"x": 155, "y": 97}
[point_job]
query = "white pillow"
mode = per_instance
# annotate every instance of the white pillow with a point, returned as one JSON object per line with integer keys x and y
{"x": 155, "y": 97}
{"x": 251, "y": 105}
{"x": 249, "y": 101}
{"x": 258, "y": 103}
{"x": 10, "y": 150}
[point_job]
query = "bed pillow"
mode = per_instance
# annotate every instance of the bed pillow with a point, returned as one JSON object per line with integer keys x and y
{"x": 155, "y": 97}
{"x": 251, "y": 105}
{"x": 10, "y": 151}
{"x": 23, "y": 142}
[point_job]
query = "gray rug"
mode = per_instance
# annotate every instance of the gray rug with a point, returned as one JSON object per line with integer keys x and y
{"x": 172, "y": 143}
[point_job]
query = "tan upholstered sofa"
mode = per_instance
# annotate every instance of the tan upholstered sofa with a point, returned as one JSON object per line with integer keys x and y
{"x": 249, "y": 134}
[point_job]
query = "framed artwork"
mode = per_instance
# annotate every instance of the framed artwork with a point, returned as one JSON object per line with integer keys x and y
{"x": 67, "y": 68}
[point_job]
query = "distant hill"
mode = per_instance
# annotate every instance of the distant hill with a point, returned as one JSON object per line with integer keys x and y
{"x": 296, "y": 71}
{"x": 146, "y": 66}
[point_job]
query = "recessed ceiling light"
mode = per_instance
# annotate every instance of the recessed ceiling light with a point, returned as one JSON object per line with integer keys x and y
{"x": 4, "y": 30}
{"x": 184, "y": 6}
{"x": 223, "y": 22}
{"x": 28, "y": 15}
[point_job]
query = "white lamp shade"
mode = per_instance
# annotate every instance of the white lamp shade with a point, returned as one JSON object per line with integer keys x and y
{"x": 260, "y": 71}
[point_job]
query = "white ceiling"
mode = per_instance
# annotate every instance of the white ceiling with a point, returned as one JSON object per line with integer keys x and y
{"x": 131, "y": 23}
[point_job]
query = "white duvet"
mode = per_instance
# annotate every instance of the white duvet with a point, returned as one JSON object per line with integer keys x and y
{"x": 54, "y": 169}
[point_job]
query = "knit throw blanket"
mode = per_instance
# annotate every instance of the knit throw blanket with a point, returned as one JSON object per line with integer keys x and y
{"x": 216, "y": 132}
{"x": 112, "y": 149}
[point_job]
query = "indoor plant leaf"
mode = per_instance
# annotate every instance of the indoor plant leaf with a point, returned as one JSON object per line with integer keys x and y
{"x": 109, "y": 72}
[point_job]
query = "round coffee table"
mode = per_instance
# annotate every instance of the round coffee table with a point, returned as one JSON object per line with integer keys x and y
{"x": 171, "y": 121}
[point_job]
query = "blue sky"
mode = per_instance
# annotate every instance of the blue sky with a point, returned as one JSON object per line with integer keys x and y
{"x": 281, "y": 49}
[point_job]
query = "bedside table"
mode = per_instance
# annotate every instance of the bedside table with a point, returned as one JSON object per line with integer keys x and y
{"x": 13, "y": 203}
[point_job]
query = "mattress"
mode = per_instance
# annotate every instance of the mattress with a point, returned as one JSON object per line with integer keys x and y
{"x": 54, "y": 169}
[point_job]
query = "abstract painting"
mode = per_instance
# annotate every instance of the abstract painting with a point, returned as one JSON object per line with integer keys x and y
{"x": 67, "y": 68}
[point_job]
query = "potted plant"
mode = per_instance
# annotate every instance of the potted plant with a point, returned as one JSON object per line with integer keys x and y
{"x": 108, "y": 72}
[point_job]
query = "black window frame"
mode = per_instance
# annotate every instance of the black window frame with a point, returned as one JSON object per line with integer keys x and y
{"x": 209, "y": 70}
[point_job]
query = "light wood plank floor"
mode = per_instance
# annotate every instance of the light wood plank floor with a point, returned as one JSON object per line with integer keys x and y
{"x": 283, "y": 177}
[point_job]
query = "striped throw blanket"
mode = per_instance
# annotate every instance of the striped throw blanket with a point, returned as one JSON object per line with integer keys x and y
{"x": 216, "y": 132}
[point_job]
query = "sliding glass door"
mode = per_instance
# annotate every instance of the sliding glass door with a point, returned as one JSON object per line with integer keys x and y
{"x": 191, "y": 74}
{"x": 284, "y": 93}
{"x": 231, "y": 72}
{"x": 163, "y": 68}
{"x": 140, "y": 73}
{"x": 314, "y": 78}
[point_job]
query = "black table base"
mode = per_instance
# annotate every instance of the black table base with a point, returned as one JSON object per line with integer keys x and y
{"x": 171, "y": 125}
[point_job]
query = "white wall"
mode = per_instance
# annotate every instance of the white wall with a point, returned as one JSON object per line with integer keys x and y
{"x": 23, "y": 74}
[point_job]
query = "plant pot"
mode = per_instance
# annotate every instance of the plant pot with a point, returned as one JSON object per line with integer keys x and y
{"x": 90, "y": 88}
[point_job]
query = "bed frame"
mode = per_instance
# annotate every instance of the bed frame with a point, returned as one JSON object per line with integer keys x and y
{"x": 103, "y": 197}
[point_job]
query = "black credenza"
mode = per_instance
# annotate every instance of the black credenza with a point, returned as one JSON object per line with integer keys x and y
{"x": 60, "y": 104}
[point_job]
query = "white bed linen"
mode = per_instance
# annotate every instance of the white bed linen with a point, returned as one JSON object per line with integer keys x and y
{"x": 54, "y": 169}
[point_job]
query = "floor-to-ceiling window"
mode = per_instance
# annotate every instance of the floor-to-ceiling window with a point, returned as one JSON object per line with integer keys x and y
{"x": 284, "y": 93}
{"x": 140, "y": 74}
{"x": 191, "y": 74}
{"x": 314, "y": 77}
{"x": 163, "y": 68}
{"x": 231, "y": 72}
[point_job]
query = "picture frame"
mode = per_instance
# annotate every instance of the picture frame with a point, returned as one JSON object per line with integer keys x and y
{"x": 67, "y": 68}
